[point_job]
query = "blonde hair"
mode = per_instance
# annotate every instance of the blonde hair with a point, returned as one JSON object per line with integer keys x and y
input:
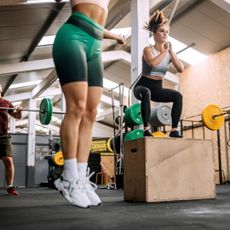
{"x": 156, "y": 20}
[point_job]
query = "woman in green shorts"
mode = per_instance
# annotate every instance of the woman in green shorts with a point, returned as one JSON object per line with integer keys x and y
{"x": 77, "y": 58}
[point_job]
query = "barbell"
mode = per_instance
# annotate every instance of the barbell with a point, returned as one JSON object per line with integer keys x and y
{"x": 45, "y": 111}
{"x": 212, "y": 116}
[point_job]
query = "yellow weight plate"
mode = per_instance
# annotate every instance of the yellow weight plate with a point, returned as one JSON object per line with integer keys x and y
{"x": 58, "y": 158}
{"x": 158, "y": 134}
{"x": 109, "y": 144}
{"x": 211, "y": 122}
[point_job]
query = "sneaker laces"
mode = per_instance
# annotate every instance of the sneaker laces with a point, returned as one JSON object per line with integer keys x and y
{"x": 88, "y": 181}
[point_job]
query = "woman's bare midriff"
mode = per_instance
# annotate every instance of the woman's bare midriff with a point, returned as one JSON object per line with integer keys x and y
{"x": 154, "y": 77}
{"x": 96, "y": 13}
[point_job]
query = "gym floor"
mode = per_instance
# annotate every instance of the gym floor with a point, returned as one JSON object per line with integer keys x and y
{"x": 42, "y": 208}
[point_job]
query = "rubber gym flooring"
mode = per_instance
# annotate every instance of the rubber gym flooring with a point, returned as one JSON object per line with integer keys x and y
{"x": 43, "y": 208}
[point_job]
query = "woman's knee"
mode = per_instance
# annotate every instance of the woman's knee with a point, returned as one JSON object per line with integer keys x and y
{"x": 91, "y": 114}
{"x": 77, "y": 109}
{"x": 141, "y": 92}
{"x": 178, "y": 97}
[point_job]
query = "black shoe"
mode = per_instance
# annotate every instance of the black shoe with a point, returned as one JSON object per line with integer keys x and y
{"x": 175, "y": 133}
{"x": 147, "y": 133}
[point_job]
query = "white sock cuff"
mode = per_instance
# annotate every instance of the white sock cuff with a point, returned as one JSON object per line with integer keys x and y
{"x": 70, "y": 169}
{"x": 82, "y": 168}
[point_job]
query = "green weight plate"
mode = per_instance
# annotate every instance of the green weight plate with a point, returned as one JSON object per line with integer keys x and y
{"x": 133, "y": 115}
{"x": 134, "y": 134}
{"x": 46, "y": 111}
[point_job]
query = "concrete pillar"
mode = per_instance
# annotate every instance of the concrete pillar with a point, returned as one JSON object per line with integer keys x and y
{"x": 140, "y": 37}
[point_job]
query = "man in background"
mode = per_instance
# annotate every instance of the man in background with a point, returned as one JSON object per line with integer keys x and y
{"x": 6, "y": 153}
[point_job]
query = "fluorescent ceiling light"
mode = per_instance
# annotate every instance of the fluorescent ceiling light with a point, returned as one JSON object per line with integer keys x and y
{"x": 24, "y": 84}
{"x": 46, "y": 41}
{"x": 16, "y": 103}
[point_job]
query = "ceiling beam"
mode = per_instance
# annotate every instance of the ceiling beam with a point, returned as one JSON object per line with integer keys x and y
{"x": 44, "y": 28}
{"x": 47, "y": 82}
{"x": 117, "y": 13}
{"x": 224, "y": 4}
{"x": 28, "y": 66}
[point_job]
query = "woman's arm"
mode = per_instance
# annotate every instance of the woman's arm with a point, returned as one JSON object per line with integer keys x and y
{"x": 151, "y": 59}
{"x": 174, "y": 59}
{"x": 109, "y": 35}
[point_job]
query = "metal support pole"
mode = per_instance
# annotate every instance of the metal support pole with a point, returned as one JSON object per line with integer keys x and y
{"x": 121, "y": 96}
{"x": 219, "y": 156}
{"x": 226, "y": 147}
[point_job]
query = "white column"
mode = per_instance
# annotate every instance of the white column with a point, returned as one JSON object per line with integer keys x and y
{"x": 31, "y": 144}
{"x": 140, "y": 37}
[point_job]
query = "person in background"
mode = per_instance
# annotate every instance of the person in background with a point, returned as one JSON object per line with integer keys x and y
{"x": 6, "y": 152}
{"x": 77, "y": 57}
{"x": 155, "y": 63}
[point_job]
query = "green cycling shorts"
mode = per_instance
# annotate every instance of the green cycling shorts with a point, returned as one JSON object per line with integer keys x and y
{"x": 77, "y": 51}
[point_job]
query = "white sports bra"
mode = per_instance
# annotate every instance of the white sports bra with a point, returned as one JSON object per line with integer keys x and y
{"x": 102, "y": 3}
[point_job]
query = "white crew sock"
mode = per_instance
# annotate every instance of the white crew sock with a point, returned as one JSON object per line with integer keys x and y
{"x": 82, "y": 168}
{"x": 70, "y": 169}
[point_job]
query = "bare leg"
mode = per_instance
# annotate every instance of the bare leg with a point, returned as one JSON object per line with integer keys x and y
{"x": 86, "y": 125}
{"x": 76, "y": 96}
{"x": 9, "y": 167}
{"x": 85, "y": 140}
{"x": 68, "y": 184}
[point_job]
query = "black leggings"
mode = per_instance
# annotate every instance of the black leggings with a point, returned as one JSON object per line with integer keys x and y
{"x": 147, "y": 89}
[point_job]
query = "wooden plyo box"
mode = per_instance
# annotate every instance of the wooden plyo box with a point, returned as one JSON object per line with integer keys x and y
{"x": 168, "y": 169}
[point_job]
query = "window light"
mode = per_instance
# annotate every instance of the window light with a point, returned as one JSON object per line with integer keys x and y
{"x": 190, "y": 55}
{"x": 24, "y": 84}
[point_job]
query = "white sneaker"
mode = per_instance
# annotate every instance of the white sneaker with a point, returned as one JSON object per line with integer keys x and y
{"x": 90, "y": 188}
{"x": 73, "y": 192}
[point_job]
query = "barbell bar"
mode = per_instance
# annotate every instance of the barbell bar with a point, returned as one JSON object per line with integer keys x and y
{"x": 45, "y": 111}
{"x": 31, "y": 110}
